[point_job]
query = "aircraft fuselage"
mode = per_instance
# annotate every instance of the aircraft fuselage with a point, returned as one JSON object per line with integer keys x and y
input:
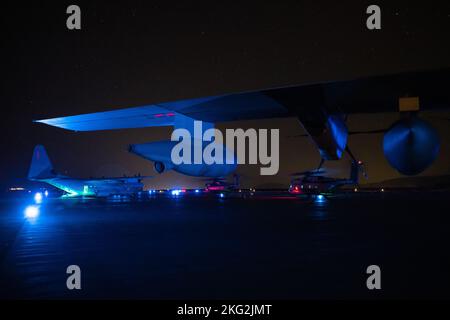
{"x": 96, "y": 188}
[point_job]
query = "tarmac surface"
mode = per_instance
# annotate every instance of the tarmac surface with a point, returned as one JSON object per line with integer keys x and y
{"x": 197, "y": 247}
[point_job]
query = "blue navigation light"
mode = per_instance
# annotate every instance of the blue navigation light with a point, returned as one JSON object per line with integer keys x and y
{"x": 222, "y": 195}
{"x": 197, "y": 191}
{"x": 38, "y": 197}
{"x": 321, "y": 198}
{"x": 46, "y": 193}
{"x": 32, "y": 212}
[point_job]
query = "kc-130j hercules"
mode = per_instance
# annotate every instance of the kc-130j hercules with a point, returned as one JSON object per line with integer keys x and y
{"x": 41, "y": 170}
{"x": 410, "y": 145}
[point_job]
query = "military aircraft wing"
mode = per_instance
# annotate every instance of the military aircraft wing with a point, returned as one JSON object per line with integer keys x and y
{"x": 146, "y": 116}
{"x": 372, "y": 94}
{"x": 118, "y": 179}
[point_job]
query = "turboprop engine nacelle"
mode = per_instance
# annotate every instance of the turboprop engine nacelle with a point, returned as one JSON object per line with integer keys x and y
{"x": 160, "y": 153}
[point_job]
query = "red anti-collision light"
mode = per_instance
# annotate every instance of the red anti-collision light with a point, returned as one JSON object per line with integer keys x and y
{"x": 162, "y": 115}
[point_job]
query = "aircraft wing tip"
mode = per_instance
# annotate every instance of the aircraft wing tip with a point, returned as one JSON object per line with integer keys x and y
{"x": 53, "y": 123}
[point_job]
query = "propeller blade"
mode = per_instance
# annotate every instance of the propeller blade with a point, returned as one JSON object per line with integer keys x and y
{"x": 309, "y": 173}
{"x": 347, "y": 148}
{"x": 322, "y": 160}
{"x": 438, "y": 118}
{"x": 214, "y": 179}
{"x": 367, "y": 132}
{"x": 353, "y": 132}
{"x": 299, "y": 136}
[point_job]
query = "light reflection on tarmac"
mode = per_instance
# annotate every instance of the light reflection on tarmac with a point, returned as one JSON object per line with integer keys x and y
{"x": 195, "y": 247}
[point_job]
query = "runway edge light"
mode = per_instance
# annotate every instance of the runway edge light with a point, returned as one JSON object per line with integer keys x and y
{"x": 38, "y": 197}
{"x": 31, "y": 212}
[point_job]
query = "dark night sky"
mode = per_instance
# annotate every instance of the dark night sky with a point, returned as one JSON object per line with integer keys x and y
{"x": 140, "y": 52}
